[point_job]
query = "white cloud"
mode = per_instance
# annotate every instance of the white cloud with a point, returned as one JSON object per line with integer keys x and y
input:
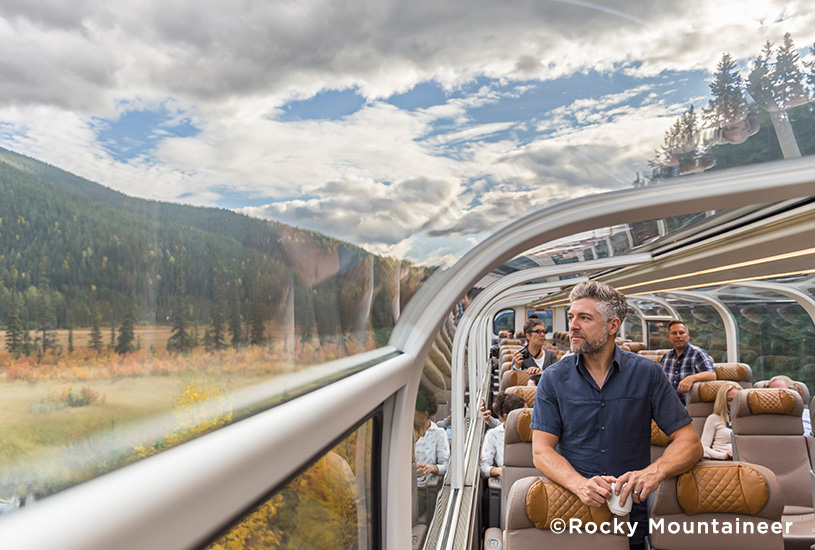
{"x": 382, "y": 175}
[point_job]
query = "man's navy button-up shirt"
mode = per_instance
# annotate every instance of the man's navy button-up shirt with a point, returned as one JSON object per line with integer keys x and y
{"x": 606, "y": 431}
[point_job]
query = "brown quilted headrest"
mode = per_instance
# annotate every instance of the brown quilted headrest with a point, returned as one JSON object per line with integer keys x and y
{"x": 526, "y": 392}
{"x": 708, "y": 390}
{"x": 518, "y": 378}
{"x": 731, "y": 371}
{"x": 771, "y": 401}
{"x": 546, "y": 500}
{"x": 725, "y": 488}
{"x": 658, "y": 437}
{"x": 522, "y": 425}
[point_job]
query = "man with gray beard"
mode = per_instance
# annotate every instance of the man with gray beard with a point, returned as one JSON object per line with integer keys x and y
{"x": 593, "y": 409}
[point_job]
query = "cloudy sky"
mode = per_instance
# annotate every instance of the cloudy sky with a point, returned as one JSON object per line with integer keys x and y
{"x": 411, "y": 128}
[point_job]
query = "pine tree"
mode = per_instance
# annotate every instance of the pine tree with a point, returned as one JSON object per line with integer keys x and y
{"x": 256, "y": 323}
{"x": 95, "y": 340}
{"x": 127, "y": 332}
{"x": 14, "y": 326}
{"x": 728, "y": 103}
{"x": 760, "y": 83}
{"x": 787, "y": 78}
{"x": 180, "y": 340}
{"x": 810, "y": 74}
{"x": 112, "y": 342}
{"x": 235, "y": 323}
{"x": 46, "y": 320}
{"x": 28, "y": 344}
{"x": 70, "y": 339}
{"x": 217, "y": 335}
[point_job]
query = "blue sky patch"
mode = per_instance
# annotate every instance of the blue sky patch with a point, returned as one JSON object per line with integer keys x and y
{"x": 422, "y": 96}
{"x": 327, "y": 105}
{"x": 136, "y": 133}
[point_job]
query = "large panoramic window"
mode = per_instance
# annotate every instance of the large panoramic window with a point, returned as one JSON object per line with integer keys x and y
{"x": 184, "y": 217}
{"x": 330, "y": 505}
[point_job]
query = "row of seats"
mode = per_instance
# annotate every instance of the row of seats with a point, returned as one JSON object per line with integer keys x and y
{"x": 736, "y": 494}
{"x": 561, "y": 340}
{"x": 518, "y": 464}
{"x": 746, "y": 491}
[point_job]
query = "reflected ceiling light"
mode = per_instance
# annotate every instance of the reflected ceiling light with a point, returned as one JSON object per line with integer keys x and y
{"x": 689, "y": 287}
{"x": 759, "y": 261}
{"x": 724, "y": 282}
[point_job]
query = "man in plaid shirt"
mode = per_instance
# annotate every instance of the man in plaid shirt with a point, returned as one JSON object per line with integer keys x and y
{"x": 686, "y": 363}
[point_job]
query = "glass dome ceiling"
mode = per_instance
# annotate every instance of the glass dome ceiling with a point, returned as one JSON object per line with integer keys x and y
{"x": 425, "y": 128}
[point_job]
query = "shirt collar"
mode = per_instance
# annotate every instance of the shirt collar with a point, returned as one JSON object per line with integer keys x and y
{"x": 616, "y": 361}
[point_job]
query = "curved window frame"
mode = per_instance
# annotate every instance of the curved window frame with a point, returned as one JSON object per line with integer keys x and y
{"x": 173, "y": 498}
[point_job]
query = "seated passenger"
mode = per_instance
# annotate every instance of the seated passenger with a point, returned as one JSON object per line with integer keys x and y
{"x": 492, "y": 453}
{"x": 431, "y": 448}
{"x": 717, "y": 433}
{"x": 533, "y": 380}
{"x": 534, "y": 357}
{"x": 685, "y": 363}
{"x": 787, "y": 383}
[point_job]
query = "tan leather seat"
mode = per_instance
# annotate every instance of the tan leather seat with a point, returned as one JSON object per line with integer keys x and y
{"x": 802, "y": 388}
{"x": 737, "y": 494}
{"x": 767, "y": 430}
{"x": 737, "y": 372}
{"x": 700, "y": 401}
{"x": 526, "y": 392}
{"x": 513, "y": 378}
{"x": 532, "y": 505}
{"x": 518, "y": 461}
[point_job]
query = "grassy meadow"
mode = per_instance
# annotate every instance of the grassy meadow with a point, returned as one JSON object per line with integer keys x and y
{"x": 61, "y": 403}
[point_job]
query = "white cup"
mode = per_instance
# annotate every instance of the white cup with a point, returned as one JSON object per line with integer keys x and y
{"x": 617, "y": 507}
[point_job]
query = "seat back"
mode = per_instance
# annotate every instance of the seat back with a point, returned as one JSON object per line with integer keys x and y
{"x": 513, "y": 378}
{"x": 526, "y": 392}
{"x": 801, "y": 388}
{"x": 768, "y": 420}
{"x": 518, "y": 461}
{"x": 532, "y": 505}
{"x": 737, "y": 372}
{"x": 732, "y": 493}
{"x": 700, "y": 400}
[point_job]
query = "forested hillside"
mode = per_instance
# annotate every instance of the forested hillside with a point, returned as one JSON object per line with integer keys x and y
{"x": 76, "y": 254}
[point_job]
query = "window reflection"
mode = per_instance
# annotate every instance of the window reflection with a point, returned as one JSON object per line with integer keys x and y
{"x": 329, "y": 506}
{"x": 432, "y": 430}
{"x": 776, "y": 336}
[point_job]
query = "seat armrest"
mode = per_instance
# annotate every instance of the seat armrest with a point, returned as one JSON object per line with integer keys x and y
{"x": 494, "y": 539}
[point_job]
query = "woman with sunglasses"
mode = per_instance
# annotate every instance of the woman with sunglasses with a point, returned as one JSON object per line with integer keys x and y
{"x": 534, "y": 357}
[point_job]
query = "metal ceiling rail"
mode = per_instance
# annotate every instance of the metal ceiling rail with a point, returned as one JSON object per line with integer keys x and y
{"x": 731, "y": 328}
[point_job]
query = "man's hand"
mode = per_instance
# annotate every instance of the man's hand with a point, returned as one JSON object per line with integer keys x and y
{"x": 518, "y": 359}
{"x": 595, "y": 490}
{"x": 485, "y": 414}
{"x": 685, "y": 384}
{"x": 422, "y": 469}
{"x": 533, "y": 370}
{"x": 638, "y": 483}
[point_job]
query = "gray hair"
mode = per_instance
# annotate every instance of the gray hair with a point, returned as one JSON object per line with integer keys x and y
{"x": 611, "y": 303}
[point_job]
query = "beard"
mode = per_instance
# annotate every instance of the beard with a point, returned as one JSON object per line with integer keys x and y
{"x": 589, "y": 346}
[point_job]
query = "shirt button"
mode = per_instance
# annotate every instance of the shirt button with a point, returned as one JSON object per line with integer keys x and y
{"x": 603, "y": 428}
{"x": 603, "y": 404}
{"x": 603, "y": 451}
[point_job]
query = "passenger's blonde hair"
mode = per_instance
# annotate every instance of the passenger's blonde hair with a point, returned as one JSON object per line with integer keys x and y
{"x": 786, "y": 379}
{"x": 720, "y": 405}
